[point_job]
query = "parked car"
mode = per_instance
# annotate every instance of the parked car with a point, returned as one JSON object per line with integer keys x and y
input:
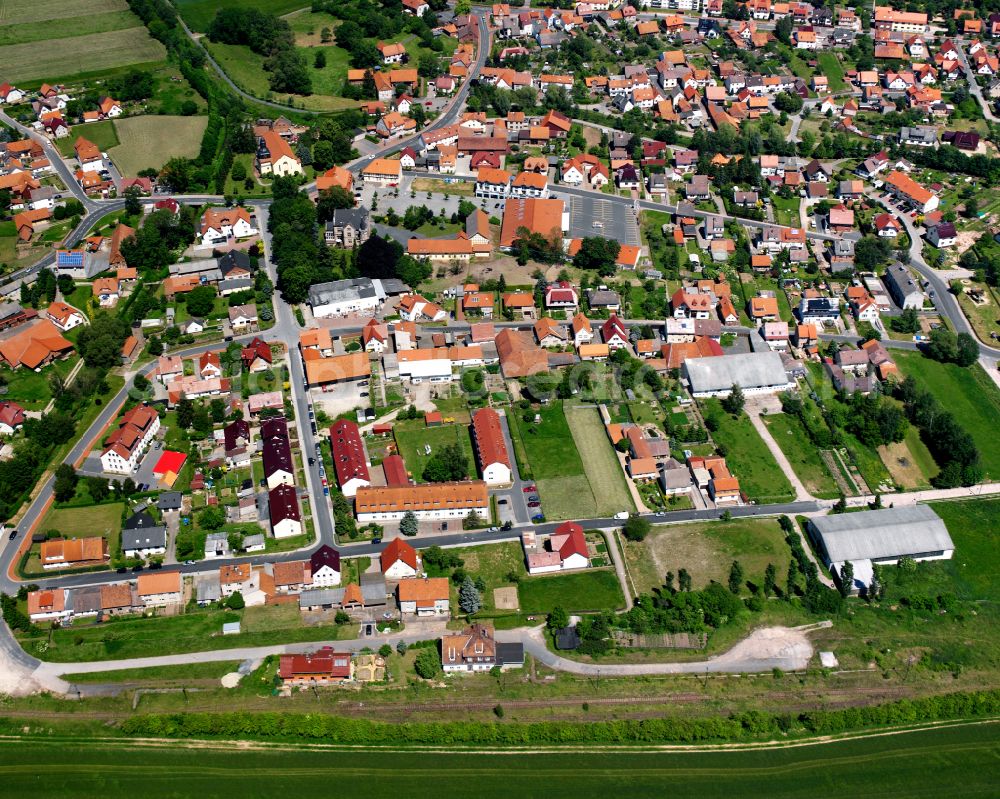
{"x": 530, "y": 489}
{"x": 533, "y": 498}
{"x": 12, "y": 536}
{"x": 534, "y": 504}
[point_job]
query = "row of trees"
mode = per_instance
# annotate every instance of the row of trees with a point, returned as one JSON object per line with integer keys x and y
{"x": 951, "y": 445}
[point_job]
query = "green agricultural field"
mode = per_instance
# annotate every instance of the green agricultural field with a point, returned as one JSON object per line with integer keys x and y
{"x": 829, "y": 65}
{"x": 555, "y": 466}
{"x": 748, "y": 457}
{"x": 100, "y": 133}
{"x": 198, "y": 14}
{"x": 151, "y": 141}
{"x": 66, "y": 27}
{"x": 607, "y": 480}
{"x": 412, "y": 436}
{"x": 158, "y": 674}
{"x": 809, "y": 467}
{"x": 969, "y": 394}
{"x": 593, "y": 589}
{"x": 66, "y": 57}
{"x": 957, "y": 761}
{"x": 706, "y": 550}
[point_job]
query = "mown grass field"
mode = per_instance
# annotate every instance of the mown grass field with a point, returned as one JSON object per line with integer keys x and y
{"x": 830, "y": 66}
{"x": 971, "y": 397}
{"x": 100, "y": 133}
{"x": 182, "y": 673}
{"x": 198, "y": 631}
{"x": 68, "y": 49}
{"x": 151, "y": 141}
{"x": 956, "y": 761}
{"x": 607, "y": 480}
{"x": 103, "y": 520}
{"x": 198, "y": 14}
{"x": 38, "y": 28}
{"x": 748, "y": 457}
{"x": 412, "y": 436}
{"x": 592, "y": 589}
{"x": 706, "y": 550}
{"x": 809, "y": 467}
{"x": 555, "y": 466}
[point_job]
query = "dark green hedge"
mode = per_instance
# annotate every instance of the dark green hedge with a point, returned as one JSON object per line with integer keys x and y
{"x": 740, "y": 727}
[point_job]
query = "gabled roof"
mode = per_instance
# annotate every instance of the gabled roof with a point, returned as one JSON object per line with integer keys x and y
{"x": 398, "y": 550}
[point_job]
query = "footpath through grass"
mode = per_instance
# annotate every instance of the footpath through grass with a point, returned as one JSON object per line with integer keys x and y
{"x": 955, "y": 761}
{"x": 749, "y": 459}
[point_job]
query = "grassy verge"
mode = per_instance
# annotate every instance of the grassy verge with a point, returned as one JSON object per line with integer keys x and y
{"x": 183, "y": 673}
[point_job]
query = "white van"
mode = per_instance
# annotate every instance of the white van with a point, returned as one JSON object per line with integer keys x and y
{"x": 622, "y": 515}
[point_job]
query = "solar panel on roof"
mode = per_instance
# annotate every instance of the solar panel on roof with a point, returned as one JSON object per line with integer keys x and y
{"x": 74, "y": 258}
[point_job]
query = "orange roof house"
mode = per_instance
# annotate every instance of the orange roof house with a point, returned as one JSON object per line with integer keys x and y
{"x": 35, "y": 346}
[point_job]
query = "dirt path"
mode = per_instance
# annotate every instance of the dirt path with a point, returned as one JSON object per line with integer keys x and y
{"x": 753, "y": 411}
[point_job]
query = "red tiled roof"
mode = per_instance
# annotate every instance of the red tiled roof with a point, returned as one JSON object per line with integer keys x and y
{"x": 348, "y": 452}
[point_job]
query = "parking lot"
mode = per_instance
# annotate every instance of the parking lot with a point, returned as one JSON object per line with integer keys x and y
{"x": 596, "y": 216}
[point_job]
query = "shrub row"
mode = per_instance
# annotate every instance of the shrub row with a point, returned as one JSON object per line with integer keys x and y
{"x": 739, "y": 727}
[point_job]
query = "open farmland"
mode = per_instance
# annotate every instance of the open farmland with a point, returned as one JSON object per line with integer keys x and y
{"x": 198, "y": 14}
{"x": 954, "y": 758}
{"x": 22, "y": 22}
{"x": 64, "y": 58}
{"x": 151, "y": 141}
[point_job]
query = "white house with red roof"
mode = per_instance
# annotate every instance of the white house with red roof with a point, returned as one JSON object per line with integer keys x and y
{"x": 691, "y": 306}
{"x": 399, "y": 560}
{"x": 491, "y": 447}
{"x": 11, "y": 417}
{"x": 614, "y": 334}
{"x": 124, "y": 447}
{"x": 349, "y": 457}
{"x": 561, "y": 295}
{"x": 565, "y": 549}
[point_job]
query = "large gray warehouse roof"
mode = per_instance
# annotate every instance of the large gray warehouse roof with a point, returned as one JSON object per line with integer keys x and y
{"x": 882, "y": 534}
{"x": 748, "y": 370}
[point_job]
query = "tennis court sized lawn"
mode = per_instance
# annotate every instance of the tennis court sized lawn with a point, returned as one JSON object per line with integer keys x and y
{"x": 591, "y": 589}
{"x": 969, "y": 394}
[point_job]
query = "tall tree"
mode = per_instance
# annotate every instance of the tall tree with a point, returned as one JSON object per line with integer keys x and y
{"x": 736, "y": 577}
{"x": 469, "y": 598}
{"x": 846, "y": 578}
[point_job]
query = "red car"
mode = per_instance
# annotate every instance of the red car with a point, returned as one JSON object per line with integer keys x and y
{"x": 529, "y": 489}
{"x": 534, "y": 504}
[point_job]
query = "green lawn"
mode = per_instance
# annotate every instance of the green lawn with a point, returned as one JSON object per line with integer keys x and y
{"x": 244, "y": 66}
{"x": 604, "y": 472}
{"x": 491, "y": 562}
{"x": 969, "y": 394}
{"x": 830, "y": 66}
{"x": 592, "y": 589}
{"x": 553, "y": 463}
{"x": 198, "y": 14}
{"x": 31, "y": 389}
{"x": 100, "y": 133}
{"x": 103, "y": 520}
{"x": 971, "y": 573}
{"x": 412, "y": 436}
{"x": 955, "y": 760}
{"x": 805, "y": 460}
{"x": 749, "y": 459}
{"x": 706, "y": 550}
{"x": 184, "y": 673}
{"x": 786, "y": 212}
{"x": 196, "y": 631}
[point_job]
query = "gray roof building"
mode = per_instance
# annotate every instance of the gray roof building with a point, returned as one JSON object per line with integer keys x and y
{"x": 882, "y": 536}
{"x": 905, "y": 291}
{"x": 754, "y": 372}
